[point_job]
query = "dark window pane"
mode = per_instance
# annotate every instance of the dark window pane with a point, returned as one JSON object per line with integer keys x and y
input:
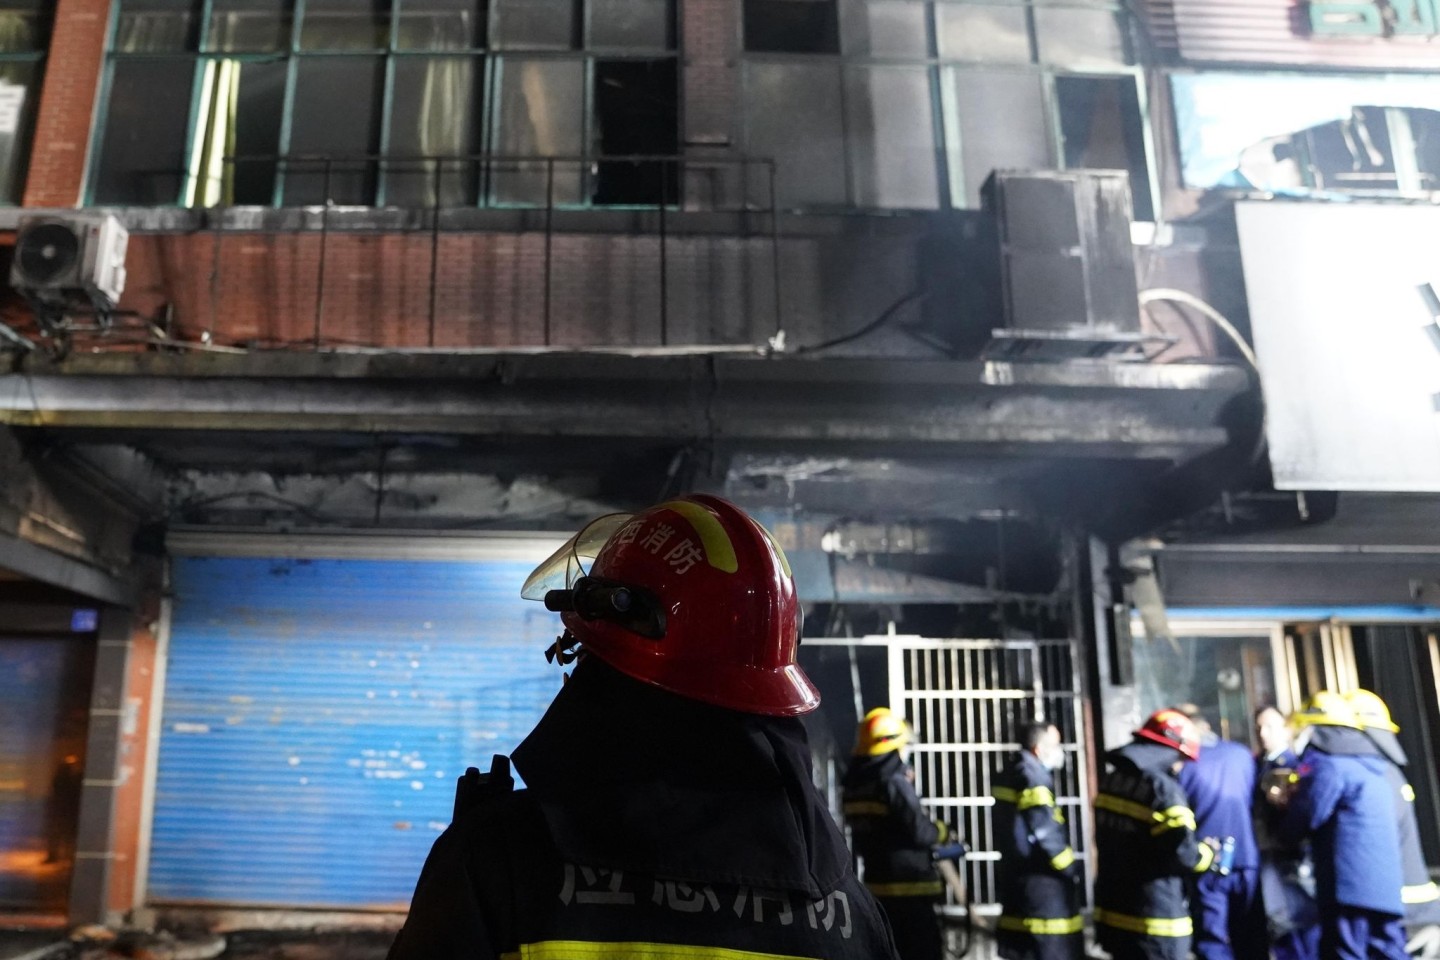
{"x": 146, "y": 25}
{"x": 792, "y": 113}
{"x": 434, "y": 112}
{"x": 24, "y": 25}
{"x": 250, "y": 25}
{"x": 791, "y": 26}
{"x": 336, "y": 115}
{"x": 643, "y": 24}
{"x": 346, "y": 25}
{"x": 999, "y": 34}
{"x": 18, "y": 95}
{"x": 237, "y": 133}
{"x": 440, "y": 24}
{"x": 1101, "y": 129}
{"x": 636, "y": 114}
{"x": 537, "y": 24}
{"x": 142, "y": 151}
{"x": 542, "y": 113}
{"x": 996, "y": 121}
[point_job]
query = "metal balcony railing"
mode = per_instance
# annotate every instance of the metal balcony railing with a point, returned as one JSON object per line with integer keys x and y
{"x": 442, "y": 194}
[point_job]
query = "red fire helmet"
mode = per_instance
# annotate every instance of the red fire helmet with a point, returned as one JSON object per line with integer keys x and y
{"x": 691, "y": 595}
{"x": 1173, "y": 729}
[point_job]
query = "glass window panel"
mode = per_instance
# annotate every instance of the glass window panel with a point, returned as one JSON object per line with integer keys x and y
{"x": 998, "y": 34}
{"x": 1101, "y": 129}
{"x": 791, "y": 26}
{"x": 346, "y": 25}
{"x": 885, "y": 28}
{"x": 792, "y": 113}
{"x": 440, "y": 24}
{"x": 636, "y": 114}
{"x": 434, "y": 111}
{"x": 18, "y": 95}
{"x": 642, "y": 24}
{"x": 1071, "y": 37}
{"x": 237, "y": 133}
{"x": 149, "y": 25}
{"x": 336, "y": 114}
{"x": 536, "y": 24}
{"x": 142, "y": 150}
{"x": 541, "y": 114}
{"x": 253, "y": 26}
{"x": 24, "y": 25}
{"x": 892, "y": 133}
{"x": 994, "y": 121}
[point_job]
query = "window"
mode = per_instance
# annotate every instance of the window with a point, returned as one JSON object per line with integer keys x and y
{"x": 24, "y": 36}
{"x": 388, "y": 102}
{"x": 911, "y": 104}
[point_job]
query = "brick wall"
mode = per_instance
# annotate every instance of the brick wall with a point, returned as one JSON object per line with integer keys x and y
{"x": 260, "y": 289}
{"x": 67, "y": 104}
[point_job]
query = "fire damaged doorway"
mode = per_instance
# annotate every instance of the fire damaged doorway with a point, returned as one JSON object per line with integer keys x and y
{"x": 45, "y": 686}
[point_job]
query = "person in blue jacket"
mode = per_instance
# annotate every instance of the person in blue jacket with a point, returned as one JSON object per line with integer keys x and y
{"x": 1342, "y": 802}
{"x": 1286, "y": 876}
{"x": 1229, "y": 917}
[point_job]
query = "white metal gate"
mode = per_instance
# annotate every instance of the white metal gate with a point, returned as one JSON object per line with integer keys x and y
{"x": 967, "y": 700}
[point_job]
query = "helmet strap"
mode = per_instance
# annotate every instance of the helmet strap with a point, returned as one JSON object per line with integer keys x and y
{"x": 563, "y": 649}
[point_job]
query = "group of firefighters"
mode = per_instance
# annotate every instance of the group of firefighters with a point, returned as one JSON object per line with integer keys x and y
{"x": 670, "y": 813}
{"x": 1309, "y": 849}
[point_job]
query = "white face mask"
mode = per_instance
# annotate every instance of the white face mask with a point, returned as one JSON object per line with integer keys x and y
{"x": 1053, "y": 758}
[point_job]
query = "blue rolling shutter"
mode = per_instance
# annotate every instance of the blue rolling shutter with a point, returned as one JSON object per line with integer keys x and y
{"x": 317, "y": 713}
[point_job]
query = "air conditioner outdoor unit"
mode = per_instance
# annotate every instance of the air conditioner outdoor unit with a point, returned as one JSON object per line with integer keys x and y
{"x": 70, "y": 263}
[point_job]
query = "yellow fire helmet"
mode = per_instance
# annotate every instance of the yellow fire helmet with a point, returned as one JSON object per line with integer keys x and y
{"x": 1370, "y": 710}
{"x": 1325, "y": 709}
{"x": 881, "y": 732}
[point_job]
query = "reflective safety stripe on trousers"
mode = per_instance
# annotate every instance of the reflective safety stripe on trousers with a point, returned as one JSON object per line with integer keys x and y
{"x": 1043, "y": 926}
{"x": 865, "y": 808}
{"x": 631, "y": 950}
{"x": 913, "y": 888}
{"x": 1420, "y": 893}
{"x": 1152, "y": 926}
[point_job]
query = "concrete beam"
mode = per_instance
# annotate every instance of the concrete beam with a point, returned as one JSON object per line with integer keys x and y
{"x": 1094, "y": 410}
{"x": 38, "y": 563}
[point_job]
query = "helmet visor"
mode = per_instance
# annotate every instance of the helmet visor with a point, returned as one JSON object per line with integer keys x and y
{"x": 572, "y": 561}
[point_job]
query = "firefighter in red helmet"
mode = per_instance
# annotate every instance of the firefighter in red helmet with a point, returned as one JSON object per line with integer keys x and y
{"x": 669, "y": 807}
{"x": 1146, "y": 845}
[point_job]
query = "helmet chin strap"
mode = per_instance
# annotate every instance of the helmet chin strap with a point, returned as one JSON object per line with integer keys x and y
{"x": 563, "y": 649}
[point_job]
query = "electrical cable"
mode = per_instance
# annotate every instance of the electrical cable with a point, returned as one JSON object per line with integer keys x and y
{"x": 869, "y": 328}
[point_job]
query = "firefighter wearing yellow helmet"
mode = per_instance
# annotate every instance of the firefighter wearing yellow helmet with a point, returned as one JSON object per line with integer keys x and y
{"x": 1342, "y": 804}
{"x": 1420, "y": 895}
{"x": 893, "y": 835}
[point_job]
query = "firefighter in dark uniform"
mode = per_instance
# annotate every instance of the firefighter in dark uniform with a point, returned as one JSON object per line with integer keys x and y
{"x": 669, "y": 809}
{"x": 893, "y": 835}
{"x": 1037, "y": 873}
{"x": 1146, "y": 844}
{"x": 1220, "y": 784}
{"x": 1420, "y": 895}
{"x": 1343, "y": 803}
{"x": 1286, "y": 877}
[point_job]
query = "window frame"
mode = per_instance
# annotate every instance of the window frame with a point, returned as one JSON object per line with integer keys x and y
{"x": 38, "y": 57}
{"x": 488, "y": 58}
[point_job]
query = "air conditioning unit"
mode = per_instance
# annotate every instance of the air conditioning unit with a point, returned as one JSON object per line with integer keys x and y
{"x": 70, "y": 263}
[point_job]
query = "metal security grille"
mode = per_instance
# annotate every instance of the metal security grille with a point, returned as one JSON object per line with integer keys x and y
{"x": 967, "y": 700}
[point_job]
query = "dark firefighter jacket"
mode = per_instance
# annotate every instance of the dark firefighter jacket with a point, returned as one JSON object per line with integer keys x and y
{"x": 1343, "y": 803}
{"x": 892, "y": 832}
{"x": 1420, "y": 895}
{"x": 1146, "y": 844}
{"x": 1221, "y": 788}
{"x": 651, "y": 826}
{"x": 1037, "y": 866}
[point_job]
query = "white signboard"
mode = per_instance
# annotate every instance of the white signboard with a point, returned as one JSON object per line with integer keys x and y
{"x": 1348, "y": 343}
{"x": 12, "y": 99}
